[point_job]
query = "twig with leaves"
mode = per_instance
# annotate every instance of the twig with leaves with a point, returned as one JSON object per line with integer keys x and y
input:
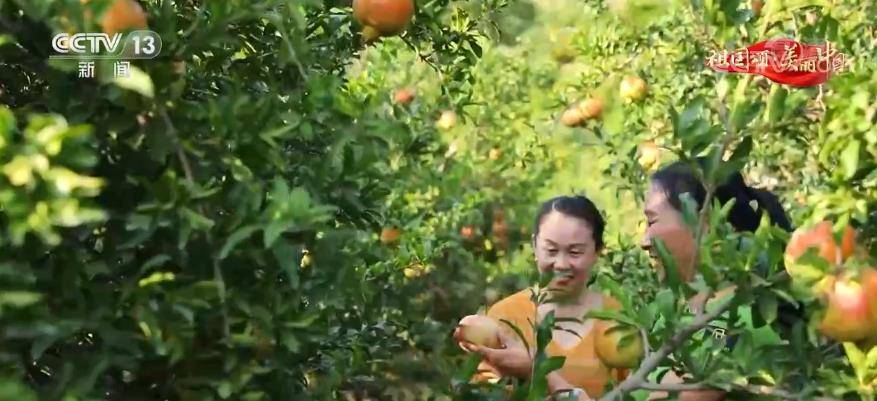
{"x": 190, "y": 178}
{"x": 650, "y": 363}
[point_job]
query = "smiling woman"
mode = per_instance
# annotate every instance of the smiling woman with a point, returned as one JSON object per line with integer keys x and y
{"x": 663, "y": 211}
{"x": 568, "y": 236}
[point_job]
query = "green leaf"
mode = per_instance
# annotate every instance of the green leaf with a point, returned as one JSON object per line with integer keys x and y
{"x": 850, "y": 158}
{"x": 648, "y": 316}
{"x": 288, "y": 257}
{"x": 666, "y": 303}
{"x": 744, "y": 113}
{"x": 706, "y": 266}
{"x": 279, "y": 190}
{"x": 615, "y": 290}
{"x": 756, "y": 319}
{"x": 738, "y": 158}
{"x": 871, "y": 358}
{"x": 155, "y": 278}
{"x": 857, "y": 359}
{"x": 785, "y": 296}
{"x": 765, "y": 336}
{"x": 224, "y": 389}
{"x": 7, "y": 124}
{"x": 689, "y": 116}
{"x": 272, "y": 232}
{"x": 732, "y": 14}
{"x": 465, "y": 373}
{"x": 545, "y": 278}
{"x": 607, "y": 314}
{"x": 154, "y": 261}
{"x": 137, "y": 81}
{"x": 19, "y": 299}
{"x": 744, "y": 350}
{"x": 776, "y": 103}
{"x": 544, "y": 331}
{"x": 40, "y": 345}
{"x": 235, "y": 238}
{"x": 689, "y": 211}
{"x": 290, "y": 341}
{"x": 518, "y": 332}
{"x": 196, "y": 220}
{"x": 767, "y": 307}
{"x": 299, "y": 201}
{"x": 549, "y": 365}
{"x": 6, "y": 39}
{"x": 240, "y": 171}
{"x": 669, "y": 263}
{"x": 303, "y": 321}
{"x": 544, "y": 366}
{"x": 12, "y": 389}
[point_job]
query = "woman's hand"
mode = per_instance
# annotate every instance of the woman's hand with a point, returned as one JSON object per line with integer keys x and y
{"x": 509, "y": 361}
{"x": 458, "y": 337}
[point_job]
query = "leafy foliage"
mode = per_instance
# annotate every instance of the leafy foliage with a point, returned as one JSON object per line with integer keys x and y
{"x": 210, "y": 227}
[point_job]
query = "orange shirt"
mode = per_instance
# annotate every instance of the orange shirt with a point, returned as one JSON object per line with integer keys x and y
{"x": 582, "y": 367}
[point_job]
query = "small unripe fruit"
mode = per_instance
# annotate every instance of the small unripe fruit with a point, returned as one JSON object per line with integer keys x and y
{"x": 403, "y": 96}
{"x": 649, "y": 153}
{"x": 467, "y": 232}
{"x": 447, "y": 120}
{"x": 123, "y": 15}
{"x": 390, "y": 236}
{"x": 572, "y": 117}
{"x": 591, "y": 108}
{"x": 633, "y": 88}
{"x": 757, "y": 5}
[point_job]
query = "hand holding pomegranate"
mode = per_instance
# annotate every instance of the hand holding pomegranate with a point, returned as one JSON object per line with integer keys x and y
{"x": 510, "y": 361}
{"x": 481, "y": 334}
{"x": 478, "y": 330}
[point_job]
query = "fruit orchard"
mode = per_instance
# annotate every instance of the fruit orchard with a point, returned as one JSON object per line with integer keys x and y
{"x": 301, "y": 199}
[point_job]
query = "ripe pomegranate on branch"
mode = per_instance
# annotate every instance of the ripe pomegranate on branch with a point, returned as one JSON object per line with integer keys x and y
{"x": 848, "y": 296}
{"x": 618, "y": 345}
{"x": 123, "y": 15}
{"x": 382, "y": 17}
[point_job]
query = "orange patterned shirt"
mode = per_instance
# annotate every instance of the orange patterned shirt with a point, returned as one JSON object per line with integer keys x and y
{"x": 582, "y": 367}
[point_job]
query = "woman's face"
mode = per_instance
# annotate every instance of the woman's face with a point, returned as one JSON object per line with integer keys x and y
{"x": 565, "y": 246}
{"x": 666, "y": 223}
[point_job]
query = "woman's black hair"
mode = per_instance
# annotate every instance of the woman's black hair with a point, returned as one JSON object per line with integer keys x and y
{"x": 679, "y": 178}
{"x": 575, "y": 206}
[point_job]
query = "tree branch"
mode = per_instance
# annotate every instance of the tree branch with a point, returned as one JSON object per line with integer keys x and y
{"x": 218, "y": 277}
{"x": 646, "y": 345}
{"x": 699, "y": 307}
{"x": 673, "y": 387}
{"x": 752, "y": 389}
{"x": 181, "y": 155}
{"x": 638, "y": 378}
